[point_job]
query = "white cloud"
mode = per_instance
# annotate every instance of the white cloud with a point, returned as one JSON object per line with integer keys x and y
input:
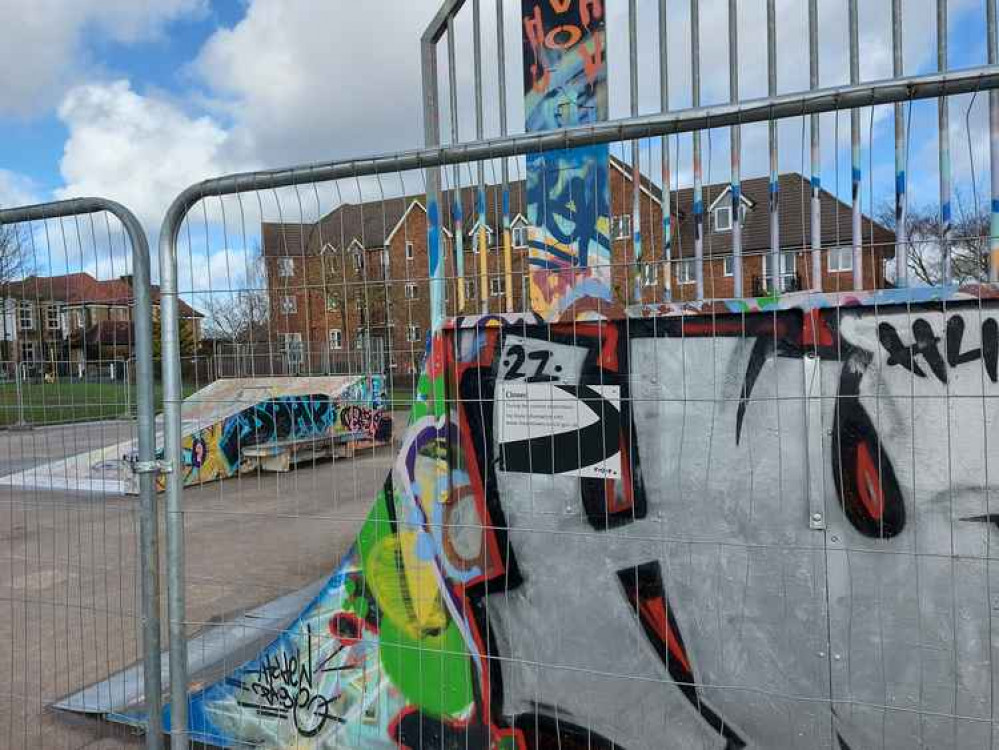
{"x": 303, "y": 80}
{"x": 44, "y": 50}
{"x": 16, "y": 189}
{"x": 140, "y": 150}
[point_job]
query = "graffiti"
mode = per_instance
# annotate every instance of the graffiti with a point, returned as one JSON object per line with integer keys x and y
{"x": 215, "y": 452}
{"x": 568, "y": 191}
{"x": 500, "y": 595}
{"x": 284, "y": 687}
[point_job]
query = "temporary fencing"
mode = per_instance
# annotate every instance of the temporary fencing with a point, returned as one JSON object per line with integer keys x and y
{"x": 81, "y": 584}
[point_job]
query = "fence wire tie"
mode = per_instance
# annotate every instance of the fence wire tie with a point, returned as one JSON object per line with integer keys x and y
{"x": 152, "y": 467}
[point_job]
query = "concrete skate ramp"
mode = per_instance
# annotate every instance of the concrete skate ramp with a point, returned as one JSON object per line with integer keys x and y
{"x": 218, "y": 421}
{"x": 765, "y": 529}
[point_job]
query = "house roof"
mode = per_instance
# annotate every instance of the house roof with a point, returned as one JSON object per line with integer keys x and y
{"x": 82, "y": 288}
{"x": 370, "y": 224}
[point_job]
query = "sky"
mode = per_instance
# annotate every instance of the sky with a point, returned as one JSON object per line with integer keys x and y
{"x": 136, "y": 99}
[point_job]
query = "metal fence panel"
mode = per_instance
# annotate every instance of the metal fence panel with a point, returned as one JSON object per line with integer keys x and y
{"x": 81, "y": 582}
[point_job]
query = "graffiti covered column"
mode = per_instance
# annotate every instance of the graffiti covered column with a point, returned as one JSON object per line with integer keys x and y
{"x": 568, "y": 194}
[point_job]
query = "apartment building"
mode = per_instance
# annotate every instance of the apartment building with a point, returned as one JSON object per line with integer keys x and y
{"x": 358, "y": 279}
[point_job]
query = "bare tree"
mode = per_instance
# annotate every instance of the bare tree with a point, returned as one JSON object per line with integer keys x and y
{"x": 968, "y": 243}
{"x": 15, "y": 262}
{"x": 240, "y": 315}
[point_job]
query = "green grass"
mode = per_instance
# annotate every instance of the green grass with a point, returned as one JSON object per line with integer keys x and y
{"x": 400, "y": 399}
{"x": 67, "y": 401}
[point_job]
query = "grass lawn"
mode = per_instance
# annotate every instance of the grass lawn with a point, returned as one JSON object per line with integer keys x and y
{"x": 68, "y": 401}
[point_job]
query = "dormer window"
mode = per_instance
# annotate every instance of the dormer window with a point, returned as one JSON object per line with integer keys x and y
{"x": 723, "y": 219}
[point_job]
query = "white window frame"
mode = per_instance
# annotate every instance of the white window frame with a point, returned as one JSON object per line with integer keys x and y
{"x": 519, "y": 231}
{"x": 469, "y": 288}
{"x": 650, "y": 275}
{"x": 787, "y": 262}
{"x": 286, "y": 267}
{"x": 621, "y": 227}
{"x": 839, "y": 253}
{"x": 76, "y": 318}
{"x": 48, "y": 317}
{"x": 686, "y": 273}
{"x": 358, "y": 258}
{"x": 26, "y": 312}
{"x": 410, "y": 252}
{"x": 30, "y": 345}
{"x": 412, "y": 291}
{"x": 289, "y": 304}
{"x": 332, "y": 303}
{"x": 728, "y": 266}
{"x": 717, "y": 214}
{"x": 496, "y": 286}
{"x": 336, "y": 339}
{"x": 412, "y": 333}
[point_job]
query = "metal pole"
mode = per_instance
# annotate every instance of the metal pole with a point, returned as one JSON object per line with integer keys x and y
{"x": 505, "y": 167}
{"x": 480, "y": 201}
{"x": 901, "y": 233}
{"x": 736, "y": 148}
{"x": 775, "y": 256}
{"x": 21, "y": 424}
{"x": 994, "y": 145}
{"x": 816, "y": 155}
{"x": 457, "y": 208}
{"x": 858, "y": 253}
{"x": 664, "y": 145}
{"x": 636, "y": 169}
{"x": 695, "y": 68}
{"x": 943, "y": 115}
{"x": 432, "y": 138}
{"x": 176, "y": 596}
{"x": 148, "y": 519}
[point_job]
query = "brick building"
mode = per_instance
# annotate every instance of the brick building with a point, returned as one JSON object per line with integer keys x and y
{"x": 62, "y": 324}
{"x": 357, "y": 280}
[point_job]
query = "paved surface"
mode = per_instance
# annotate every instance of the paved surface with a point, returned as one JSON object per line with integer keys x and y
{"x": 69, "y": 594}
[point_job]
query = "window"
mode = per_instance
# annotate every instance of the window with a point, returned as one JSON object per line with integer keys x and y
{"x": 332, "y": 303}
{"x": 412, "y": 333}
{"x": 26, "y": 315}
{"x": 786, "y": 265}
{"x": 469, "y": 288}
{"x": 650, "y": 275}
{"x": 520, "y": 236}
{"x": 412, "y": 291}
{"x": 358, "y": 259}
{"x": 27, "y": 351}
{"x": 289, "y": 304}
{"x": 841, "y": 259}
{"x": 286, "y": 267}
{"x": 496, "y": 287}
{"x": 359, "y": 304}
{"x": 685, "y": 272}
{"x": 336, "y": 338}
{"x": 52, "y": 317}
{"x": 291, "y": 340}
{"x": 409, "y": 251}
{"x": 621, "y": 227}
{"x": 728, "y": 265}
{"x": 723, "y": 219}
{"x": 76, "y": 319}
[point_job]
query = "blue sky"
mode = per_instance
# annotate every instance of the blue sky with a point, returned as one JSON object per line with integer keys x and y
{"x": 135, "y": 101}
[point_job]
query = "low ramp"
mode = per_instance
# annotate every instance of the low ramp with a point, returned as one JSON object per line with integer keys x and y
{"x": 221, "y": 419}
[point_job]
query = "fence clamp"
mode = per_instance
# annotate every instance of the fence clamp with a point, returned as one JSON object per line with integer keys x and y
{"x": 152, "y": 467}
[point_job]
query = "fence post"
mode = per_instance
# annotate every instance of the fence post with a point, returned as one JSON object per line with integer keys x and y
{"x": 170, "y": 352}
{"x": 148, "y": 520}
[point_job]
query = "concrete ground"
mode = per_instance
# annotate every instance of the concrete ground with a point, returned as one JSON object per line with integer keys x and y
{"x": 69, "y": 596}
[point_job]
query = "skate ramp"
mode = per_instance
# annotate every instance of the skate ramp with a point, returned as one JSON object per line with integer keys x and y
{"x": 766, "y": 529}
{"x": 217, "y": 422}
